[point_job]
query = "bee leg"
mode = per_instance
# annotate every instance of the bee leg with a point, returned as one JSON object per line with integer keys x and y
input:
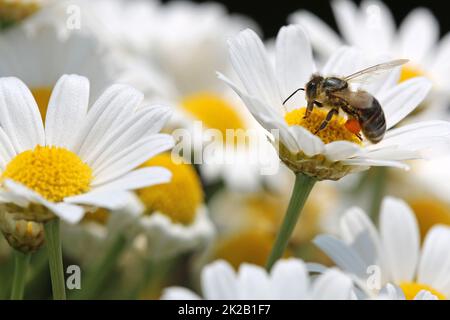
{"x": 309, "y": 109}
{"x": 359, "y": 136}
{"x": 328, "y": 118}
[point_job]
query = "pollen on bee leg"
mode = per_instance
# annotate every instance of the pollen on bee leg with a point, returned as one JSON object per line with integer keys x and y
{"x": 353, "y": 126}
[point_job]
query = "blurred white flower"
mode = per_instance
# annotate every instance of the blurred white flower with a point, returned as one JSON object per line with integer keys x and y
{"x": 41, "y": 55}
{"x": 189, "y": 43}
{"x": 190, "y": 46}
{"x": 288, "y": 280}
{"x": 426, "y": 190}
{"x": 392, "y": 254}
{"x": 334, "y": 151}
{"x": 98, "y": 231}
{"x": 371, "y": 27}
{"x": 175, "y": 218}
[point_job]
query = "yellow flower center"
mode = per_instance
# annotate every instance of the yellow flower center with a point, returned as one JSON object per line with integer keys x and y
{"x": 430, "y": 212}
{"x": 180, "y": 198}
{"x": 53, "y": 172}
{"x": 336, "y": 129}
{"x": 214, "y": 111}
{"x": 410, "y": 71}
{"x": 42, "y": 97}
{"x": 250, "y": 246}
{"x": 16, "y": 10}
{"x": 411, "y": 289}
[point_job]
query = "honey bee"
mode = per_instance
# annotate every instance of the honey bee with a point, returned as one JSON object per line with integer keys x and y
{"x": 364, "y": 111}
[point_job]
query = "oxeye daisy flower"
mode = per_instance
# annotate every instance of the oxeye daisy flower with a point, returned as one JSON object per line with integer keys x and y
{"x": 334, "y": 151}
{"x": 125, "y": 26}
{"x": 36, "y": 159}
{"x": 40, "y": 55}
{"x": 372, "y": 28}
{"x": 79, "y": 160}
{"x": 392, "y": 254}
{"x": 288, "y": 280}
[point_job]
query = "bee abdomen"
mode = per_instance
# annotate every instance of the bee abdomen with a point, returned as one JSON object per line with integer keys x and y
{"x": 373, "y": 122}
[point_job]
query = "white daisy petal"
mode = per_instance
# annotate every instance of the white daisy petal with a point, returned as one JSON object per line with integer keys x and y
{"x": 343, "y": 62}
{"x": 294, "y": 60}
{"x": 284, "y": 274}
{"x": 308, "y": 143}
{"x": 378, "y": 24}
{"x": 139, "y": 178}
{"x": 178, "y": 293}
{"x": 345, "y": 13}
{"x": 401, "y": 245}
{"x": 367, "y": 162}
{"x": 266, "y": 116}
{"x": 434, "y": 263}
{"x": 7, "y": 151}
{"x": 66, "y": 111}
{"x": 113, "y": 106}
{"x": 322, "y": 36}
{"x": 69, "y": 213}
{"x": 19, "y": 115}
{"x": 403, "y": 99}
{"x": 358, "y": 231}
{"x": 110, "y": 199}
{"x": 394, "y": 153}
{"x": 131, "y": 157}
{"x": 131, "y": 130}
{"x": 392, "y": 292}
{"x": 439, "y": 62}
{"x": 425, "y": 295}
{"x": 344, "y": 256}
{"x": 418, "y": 34}
{"x": 332, "y": 285}
{"x": 219, "y": 281}
{"x": 340, "y": 150}
{"x": 428, "y": 138}
{"x": 253, "y": 283}
{"x": 252, "y": 65}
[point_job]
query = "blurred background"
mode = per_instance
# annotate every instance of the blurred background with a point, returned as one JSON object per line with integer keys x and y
{"x": 271, "y": 15}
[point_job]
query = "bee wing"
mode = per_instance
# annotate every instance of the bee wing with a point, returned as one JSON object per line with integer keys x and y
{"x": 365, "y": 75}
{"x": 357, "y": 99}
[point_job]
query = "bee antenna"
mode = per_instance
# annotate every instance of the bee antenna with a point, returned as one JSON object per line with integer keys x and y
{"x": 293, "y": 93}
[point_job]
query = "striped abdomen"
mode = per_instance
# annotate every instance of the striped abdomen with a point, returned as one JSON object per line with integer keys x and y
{"x": 373, "y": 122}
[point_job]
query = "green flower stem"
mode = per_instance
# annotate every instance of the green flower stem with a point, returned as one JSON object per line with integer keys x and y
{"x": 102, "y": 270}
{"x": 302, "y": 188}
{"x": 377, "y": 190}
{"x": 22, "y": 261}
{"x": 52, "y": 237}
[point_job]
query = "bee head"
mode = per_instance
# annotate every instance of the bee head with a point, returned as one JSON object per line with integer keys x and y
{"x": 313, "y": 86}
